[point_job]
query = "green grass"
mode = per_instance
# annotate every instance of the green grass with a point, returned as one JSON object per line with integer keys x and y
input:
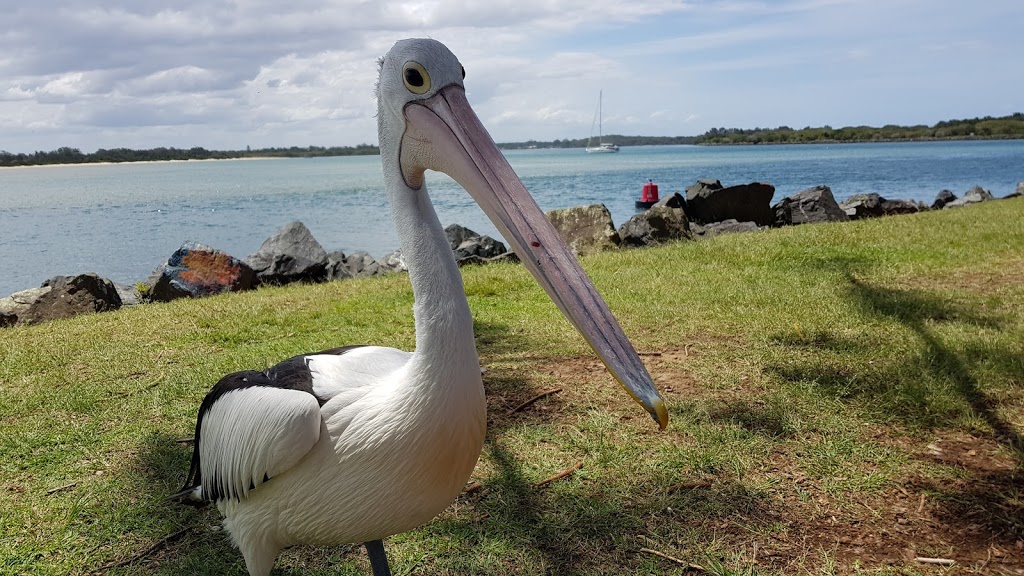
{"x": 838, "y": 394}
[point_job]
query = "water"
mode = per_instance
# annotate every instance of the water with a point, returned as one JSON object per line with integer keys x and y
{"x": 121, "y": 221}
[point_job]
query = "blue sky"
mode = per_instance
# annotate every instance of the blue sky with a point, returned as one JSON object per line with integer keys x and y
{"x": 229, "y": 74}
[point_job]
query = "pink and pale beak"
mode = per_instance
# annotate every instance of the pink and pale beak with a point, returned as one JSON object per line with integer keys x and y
{"x": 462, "y": 148}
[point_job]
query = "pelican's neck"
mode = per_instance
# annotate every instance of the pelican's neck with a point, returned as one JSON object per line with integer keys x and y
{"x": 444, "y": 324}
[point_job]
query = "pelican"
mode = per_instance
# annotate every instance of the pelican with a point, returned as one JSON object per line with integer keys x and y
{"x": 354, "y": 444}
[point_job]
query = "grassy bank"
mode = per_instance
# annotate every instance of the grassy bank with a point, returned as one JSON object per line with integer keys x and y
{"x": 844, "y": 397}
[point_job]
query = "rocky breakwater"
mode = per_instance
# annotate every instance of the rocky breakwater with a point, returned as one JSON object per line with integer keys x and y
{"x": 195, "y": 270}
{"x": 292, "y": 254}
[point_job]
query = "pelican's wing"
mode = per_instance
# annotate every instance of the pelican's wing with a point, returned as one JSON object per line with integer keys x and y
{"x": 251, "y": 434}
{"x": 253, "y": 426}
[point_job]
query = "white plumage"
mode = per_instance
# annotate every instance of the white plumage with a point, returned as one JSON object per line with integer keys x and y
{"x": 356, "y": 444}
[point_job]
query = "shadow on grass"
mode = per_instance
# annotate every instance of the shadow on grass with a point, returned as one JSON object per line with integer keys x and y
{"x": 913, "y": 388}
{"x": 933, "y": 386}
{"x": 585, "y": 527}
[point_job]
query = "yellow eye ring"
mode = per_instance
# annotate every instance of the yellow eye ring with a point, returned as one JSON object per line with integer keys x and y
{"x": 416, "y": 78}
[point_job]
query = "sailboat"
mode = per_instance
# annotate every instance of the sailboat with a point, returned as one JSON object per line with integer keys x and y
{"x": 602, "y": 147}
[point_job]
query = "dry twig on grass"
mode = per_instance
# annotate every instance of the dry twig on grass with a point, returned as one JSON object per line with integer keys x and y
{"x": 60, "y": 488}
{"x": 689, "y": 485}
{"x": 534, "y": 399}
{"x": 558, "y": 476}
{"x": 156, "y": 546}
{"x": 939, "y": 561}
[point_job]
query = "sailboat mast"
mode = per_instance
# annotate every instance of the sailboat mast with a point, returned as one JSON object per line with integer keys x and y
{"x": 600, "y": 117}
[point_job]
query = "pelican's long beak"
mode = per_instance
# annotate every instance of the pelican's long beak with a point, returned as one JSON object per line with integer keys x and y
{"x": 462, "y": 148}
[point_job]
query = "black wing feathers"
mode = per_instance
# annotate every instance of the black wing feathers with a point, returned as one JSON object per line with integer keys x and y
{"x": 290, "y": 374}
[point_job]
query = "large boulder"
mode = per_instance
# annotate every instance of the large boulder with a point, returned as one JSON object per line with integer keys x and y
{"x": 586, "y": 229}
{"x": 807, "y": 206}
{"x": 290, "y": 255}
{"x": 972, "y": 196}
{"x": 17, "y": 305}
{"x": 707, "y": 201}
{"x": 942, "y": 198}
{"x": 196, "y": 270}
{"x": 70, "y": 296}
{"x": 655, "y": 225}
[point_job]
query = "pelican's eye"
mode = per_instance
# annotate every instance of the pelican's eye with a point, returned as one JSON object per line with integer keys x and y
{"x": 463, "y": 72}
{"x": 416, "y": 78}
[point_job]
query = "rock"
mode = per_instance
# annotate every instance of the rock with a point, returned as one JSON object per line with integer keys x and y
{"x": 872, "y": 205}
{"x": 482, "y": 246}
{"x": 1019, "y": 191}
{"x": 336, "y": 268}
{"x": 676, "y": 200}
{"x": 457, "y": 234}
{"x": 195, "y": 270}
{"x": 290, "y": 255}
{"x": 707, "y": 202}
{"x": 942, "y": 198}
{"x": 724, "y": 227}
{"x": 972, "y": 196}
{"x": 861, "y": 206}
{"x": 655, "y": 225}
{"x": 807, "y": 206}
{"x": 13, "y": 307}
{"x": 475, "y": 260}
{"x": 895, "y": 207}
{"x": 466, "y": 243}
{"x": 130, "y": 295}
{"x": 362, "y": 264}
{"x": 70, "y": 296}
{"x": 586, "y": 229}
{"x": 703, "y": 185}
{"x": 394, "y": 262}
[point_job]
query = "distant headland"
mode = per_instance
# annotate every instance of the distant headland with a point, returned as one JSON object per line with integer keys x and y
{"x": 986, "y": 128}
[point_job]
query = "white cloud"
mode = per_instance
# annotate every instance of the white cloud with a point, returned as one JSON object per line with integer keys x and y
{"x": 219, "y": 72}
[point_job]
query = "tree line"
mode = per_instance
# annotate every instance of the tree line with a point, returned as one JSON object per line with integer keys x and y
{"x": 1011, "y": 126}
{"x": 67, "y": 155}
{"x": 985, "y": 128}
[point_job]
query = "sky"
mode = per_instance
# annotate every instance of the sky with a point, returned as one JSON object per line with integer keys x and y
{"x": 229, "y": 74}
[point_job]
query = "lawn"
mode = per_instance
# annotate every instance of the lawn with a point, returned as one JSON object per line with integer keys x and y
{"x": 845, "y": 398}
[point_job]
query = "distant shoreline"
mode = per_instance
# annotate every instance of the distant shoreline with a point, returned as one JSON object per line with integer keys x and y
{"x": 175, "y": 161}
{"x": 515, "y": 146}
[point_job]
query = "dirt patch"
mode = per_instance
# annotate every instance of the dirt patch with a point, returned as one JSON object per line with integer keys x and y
{"x": 960, "y": 499}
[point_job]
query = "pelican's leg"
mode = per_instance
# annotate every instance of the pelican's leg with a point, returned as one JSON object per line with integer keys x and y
{"x": 378, "y": 559}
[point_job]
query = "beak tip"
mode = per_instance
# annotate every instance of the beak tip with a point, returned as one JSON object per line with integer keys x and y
{"x": 660, "y": 414}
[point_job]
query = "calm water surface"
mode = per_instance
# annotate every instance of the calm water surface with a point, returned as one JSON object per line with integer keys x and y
{"x": 121, "y": 221}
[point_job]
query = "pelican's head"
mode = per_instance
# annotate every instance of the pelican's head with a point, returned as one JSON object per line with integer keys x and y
{"x": 426, "y": 123}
